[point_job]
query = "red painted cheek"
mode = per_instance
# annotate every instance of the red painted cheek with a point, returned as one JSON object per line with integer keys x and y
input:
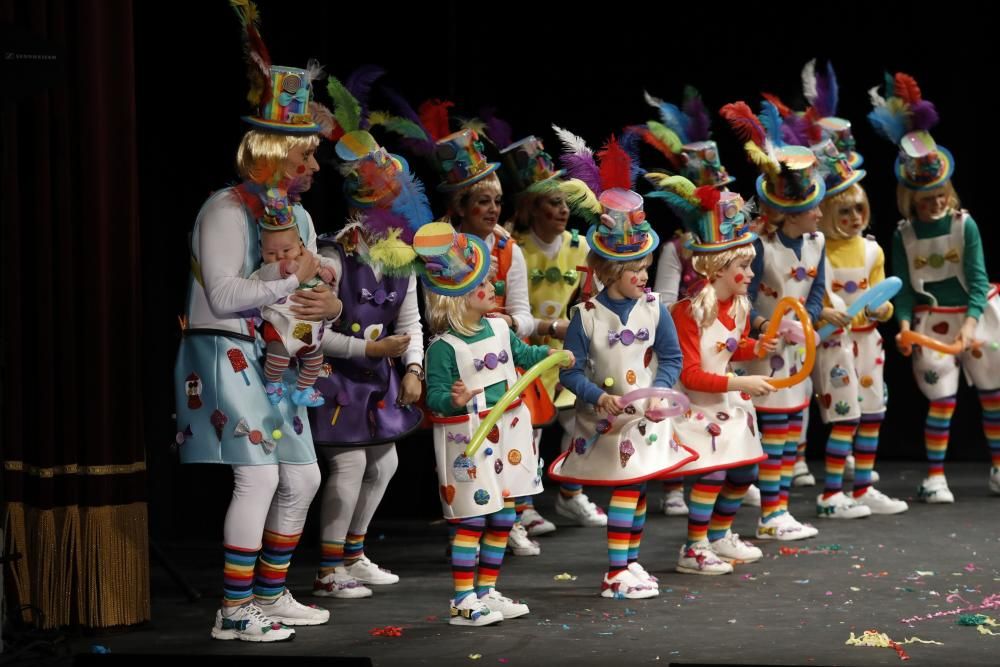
{"x": 635, "y": 280}
{"x": 738, "y": 278}
{"x": 301, "y": 169}
{"x": 481, "y": 295}
{"x": 549, "y": 215}
{"x": 476, "y": 210}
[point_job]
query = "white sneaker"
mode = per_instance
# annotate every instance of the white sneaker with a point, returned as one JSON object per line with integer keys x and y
{"x": 503, "y": 605}
{"x": 369, "y": 573}
{"x": 995, "y": 481}
{"x": 640, "y": 573}
{"x": 579, "y": 509}
{"x": 626, "y": 585}
{"x": 734, "y": 550}
{"x": 700, "y": 559}
{"x": 839, "y": 506}
{"x": 881, "y": 503}
{"x": 520, "y": 544}
{"x": 801, "y": 475}
{"x": 935, "y": 490}
{"x": 672, "y": 504}
{"x": 535, "y": 523}
{"x": 249, "y": 624}
{"x": 752, "y": 496}
{"x": 784, "y": 528}
{"x": 287, "y": 611}
{"x": 849, "y": 470}
{"x": 473, "y": 611}
{"x": 339, "y": 584}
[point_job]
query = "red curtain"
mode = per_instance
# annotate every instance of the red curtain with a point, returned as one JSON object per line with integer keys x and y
{"x": 74, "y": 471}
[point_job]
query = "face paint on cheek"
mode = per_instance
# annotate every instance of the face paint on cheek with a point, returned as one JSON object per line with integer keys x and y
{"x": 301, "y": 169}
{"x": 634, "y": 280}
{"x": 739, "y": 278}
{"x": 476, "y": 210}
{"x": 481, "y": 294}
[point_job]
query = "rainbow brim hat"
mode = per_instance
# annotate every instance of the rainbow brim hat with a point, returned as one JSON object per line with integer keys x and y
{"x": 922, "y": 164}
{"x": 461, "y": 160}
{"x": 702, "y": 165}
{"x": 798, "y": 187}
{"x": 631, "y": 237}
{"x": 839, "y": 130}
{"x": 837, "y": 171}
{"x": 527, "y": 164}
{"x": 722, "y": 227}
{"x": 454, "y": 263}
{"x": 286, "y": 109}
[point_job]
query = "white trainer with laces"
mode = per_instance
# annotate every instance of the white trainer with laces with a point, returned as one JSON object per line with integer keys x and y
{"x": 700, "y": 559}
{"x": 579, "y": 509}
{"x": 801, "y": 475}
{"x": 339, "y": 584}
{"x": 752, "y": 497}
{"x": 784, "y": 528}
{"x": 935, "y": 490}
{"x": 369, "y": 573}
{"x": 881, "y": 503}
{"x": 734, "y": 550}
{"x": 287, "y": 611}
{"x": 839, "y": 506}
{"x": 627, "y": 586}
{"x": 504, "y": 605}
{"x": 472, "y": 611}
{"x": 520, "y": 544}
{"x": 249, "y": 624}
{"x": 640, "y": 573}
{"x": 672, "y": 503}
{"x": 535, "y": 523}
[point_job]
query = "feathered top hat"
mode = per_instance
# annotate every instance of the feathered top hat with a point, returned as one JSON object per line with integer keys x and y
{"x": 277, "y": 214}
{"x": 526, "y": 163}
{"x": 904, "y": 118}
{"x": 392, "y": 203}
{"x": 821, "y": 91}
{"x": 461, "y": 160}
{"x": 717, "y": 220}
{"x": 684, "y": 136}
{"x": 790, "y": 179}
{"x": 454, "y": 263}
{"x": 622, "y": 232}
{"x": 280, "y": 95}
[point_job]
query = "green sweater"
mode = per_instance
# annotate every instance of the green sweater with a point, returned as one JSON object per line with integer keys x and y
{"x": 442, "y": 369}
{"x": 948, "y": 292}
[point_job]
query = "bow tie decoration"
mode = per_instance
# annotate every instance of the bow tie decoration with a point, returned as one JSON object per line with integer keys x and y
{"x": 300, "y": 95}
{"x": 850, "y": 286}
{"x": 554, "y": 275}
{"x": 256, "y": 437}
{"x": 458, "y": 437}
{"x": 730, "y": 345}
{"x": 379, "y": 296}
{"x": 801, "y": 272}
{"x": 936, "y": 261}
{"x": 627, "y": 337}
{"x": 490, "y": 361}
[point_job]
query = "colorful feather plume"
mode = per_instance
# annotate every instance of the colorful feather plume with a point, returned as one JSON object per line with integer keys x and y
{"x": 497, "y": 129}
{"x": 645, "y": 134}
{"x": 744, "y": 123}
{"x": 809, "y": 86}
{"x": 418, "y": 146}
{"x": 906, "y": 88}
{"x": 255, "y": 52}
{"x": 578, "y": 160}
{"x": 771, "y": 120}
{"x": 346, "y": 109}
{"x": 434, "y": 116}
{"x": 827, "y": 93}
{"x": 681, "y": 196}
{"x": 581, "y": 199}
{"x": 359, "y": 83}
{"x": 666, "y": 136}
{"x": 671, "y": 116}
{"x": 630, "y": 144}
{"x": 615, "y": 166}
{"x": 329, "y": 128}
{"x": 699, "y": 125}
{"x": 412, "y": 204}
{"x": 902, "y": 110}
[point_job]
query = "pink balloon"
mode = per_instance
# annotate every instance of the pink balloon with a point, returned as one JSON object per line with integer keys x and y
{"x": 792, "y": 330}
{"x": 680, "y": 402}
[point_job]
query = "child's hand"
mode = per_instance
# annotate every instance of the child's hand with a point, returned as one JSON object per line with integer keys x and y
{"x": 308, "y": 266}
{"x": 608, "y": 404}
{"x": 287, "y": 267}
{"x": 461, "y": 395}
{"x": 565, "y": 364}
{"x": 881, "y": 313}
{"x": 837, "y": 317}
{"x": 755, "y": 385}
{"x": 769, "y": 345}
{"x": 390, "y": 346}
{"x": 327, "y": 275}
{"x": 653, "y": 406}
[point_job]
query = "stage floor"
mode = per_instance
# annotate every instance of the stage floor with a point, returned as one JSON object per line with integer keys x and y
{"x": 792, "y": 609}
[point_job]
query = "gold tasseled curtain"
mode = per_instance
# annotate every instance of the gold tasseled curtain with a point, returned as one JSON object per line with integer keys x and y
{"x": 74, "y": 471}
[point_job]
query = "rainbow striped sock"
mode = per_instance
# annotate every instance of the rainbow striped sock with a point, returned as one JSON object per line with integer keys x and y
{"x": 773, "y": 433}
{"x": 272, "y": 566}
{"x": 524, "y": 503}
{"x": 493, "y": 546}
{"x": 990, "y": 400}
{"x": 703, "y": 495}
{"x": 331, "y": 556}
{"x": 237, "y": 575}
{"x": 354, "y": 548}
{"x": 936, "y": 433}
{"x": 865, "y": 445}
{"x": 789, "y": 454}
{"x": 837, "y": 449}
{"x": 621, "y": 514}
{"x": 638, "y": 523}
{"x": 468, "y": 533}
{"x": 569, "y": 490}
{"x": 738, "y": 480}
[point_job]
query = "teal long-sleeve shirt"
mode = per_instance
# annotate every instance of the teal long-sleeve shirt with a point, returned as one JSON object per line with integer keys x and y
{"x": 442, "y": 370}
{"x": 948, "y": 292}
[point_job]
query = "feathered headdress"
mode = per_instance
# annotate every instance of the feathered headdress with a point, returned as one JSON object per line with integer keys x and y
{"x": 904, "y": 117}
{"x": 717, "y": 220}
{"x": 822, "y": 93}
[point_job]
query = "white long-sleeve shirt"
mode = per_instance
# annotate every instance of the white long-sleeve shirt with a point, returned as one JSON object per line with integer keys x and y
{"x": 341, "y": 346}
{"x": 668, "y": 275}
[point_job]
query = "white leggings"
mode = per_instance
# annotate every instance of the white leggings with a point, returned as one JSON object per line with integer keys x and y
{"x": 271, "y": 497}
{"x": 358, "y": 479}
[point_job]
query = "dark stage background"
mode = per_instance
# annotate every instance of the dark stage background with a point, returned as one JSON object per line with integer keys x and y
{"x": 582, "y": 69}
